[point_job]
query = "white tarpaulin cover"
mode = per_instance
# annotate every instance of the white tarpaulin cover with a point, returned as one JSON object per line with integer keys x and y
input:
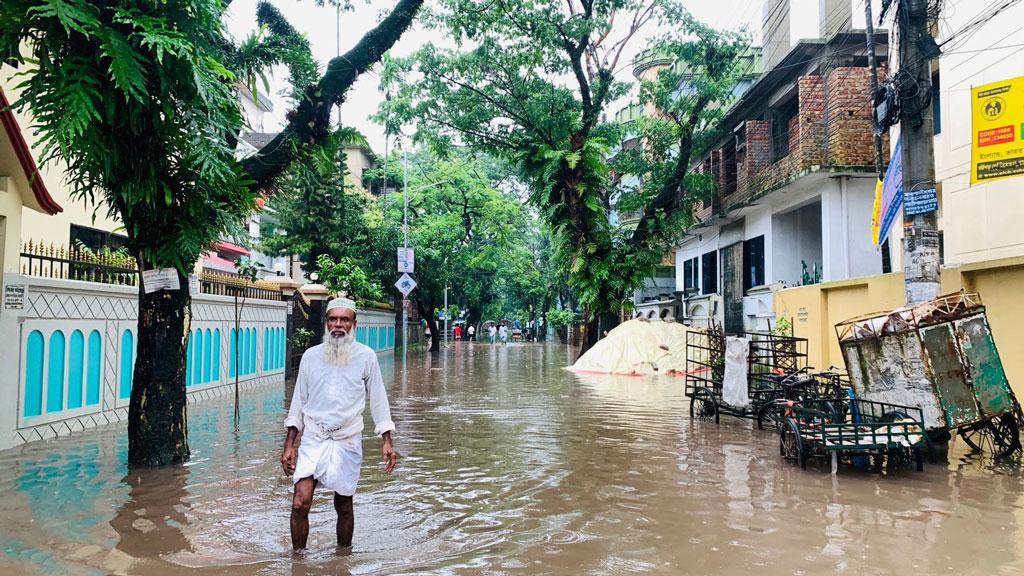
{"x": 734, "y": 383}
{"x": 638, "y": 347}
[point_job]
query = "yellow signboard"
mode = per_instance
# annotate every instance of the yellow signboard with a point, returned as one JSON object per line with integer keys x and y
{"x": 997, "y": 132}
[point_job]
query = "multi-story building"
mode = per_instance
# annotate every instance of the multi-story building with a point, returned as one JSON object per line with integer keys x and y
{"x": 981, "y": 239}
{"x": 794, "y": 175}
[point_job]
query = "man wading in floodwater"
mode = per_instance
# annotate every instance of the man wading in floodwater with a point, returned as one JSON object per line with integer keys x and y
{"x": 327, "y": 409}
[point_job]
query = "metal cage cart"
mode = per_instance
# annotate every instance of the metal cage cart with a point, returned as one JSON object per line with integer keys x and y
{"x": 817, "y": 428}
{"x": 776, "y": 368}
{"x": 941, "y": 357}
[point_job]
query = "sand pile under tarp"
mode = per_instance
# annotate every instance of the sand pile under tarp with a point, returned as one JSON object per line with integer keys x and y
{"x": 638, "y": 347}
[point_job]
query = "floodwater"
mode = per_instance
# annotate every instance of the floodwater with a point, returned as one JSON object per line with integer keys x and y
{"x": 510, "y": 465}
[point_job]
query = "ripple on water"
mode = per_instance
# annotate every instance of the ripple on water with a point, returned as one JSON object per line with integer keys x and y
{"x": 509, "y": 465}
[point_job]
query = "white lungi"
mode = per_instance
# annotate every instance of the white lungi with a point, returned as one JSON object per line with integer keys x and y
{"x": 334, "y": 463}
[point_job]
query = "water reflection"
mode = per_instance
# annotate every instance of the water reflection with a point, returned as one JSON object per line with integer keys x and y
{"x": 511, "y": 465}
{"x": 152, "y": 521}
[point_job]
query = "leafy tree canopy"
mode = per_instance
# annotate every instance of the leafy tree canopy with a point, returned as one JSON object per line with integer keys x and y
{"x": 533, "y": 88}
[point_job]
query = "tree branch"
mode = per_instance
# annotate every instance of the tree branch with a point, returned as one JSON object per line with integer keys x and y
{"x": 310, "y": 122}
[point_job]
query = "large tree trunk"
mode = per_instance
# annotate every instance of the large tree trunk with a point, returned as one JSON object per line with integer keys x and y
{"x": 157, "y": 419}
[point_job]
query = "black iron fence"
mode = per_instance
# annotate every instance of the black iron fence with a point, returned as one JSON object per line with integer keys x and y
{"x": 228, "y": 285}
{"x": 117, "y": 267}
{"x": 78, "y": 263}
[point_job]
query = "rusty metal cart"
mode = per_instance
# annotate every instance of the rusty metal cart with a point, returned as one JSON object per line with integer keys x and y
{"x": 771, "y": 359}
{"x": 941, "y": 357}
{"x": 878, "y": 429}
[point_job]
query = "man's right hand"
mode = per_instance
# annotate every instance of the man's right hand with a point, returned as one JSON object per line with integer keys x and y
{"x": 288, "y": 459}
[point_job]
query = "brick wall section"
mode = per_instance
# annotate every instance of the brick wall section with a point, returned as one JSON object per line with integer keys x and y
{"x": 759, "y": 149}
{"x": 843, "y": 138}
{"x": 811, "y": 92}
{"x": 849, "y": 118}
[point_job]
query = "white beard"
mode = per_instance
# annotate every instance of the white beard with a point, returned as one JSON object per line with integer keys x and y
{"x": 337, "y": 349}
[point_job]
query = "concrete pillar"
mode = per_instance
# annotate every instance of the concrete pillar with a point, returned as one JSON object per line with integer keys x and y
{"x": 318, "y": 295}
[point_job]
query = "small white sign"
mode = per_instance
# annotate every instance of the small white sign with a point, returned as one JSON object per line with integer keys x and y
{"x": 161, "y": 279}
{"x": 405, "y": 284}
{"x": 193, "y": 284}
{"x": 406, "y": 260}
{"x": 14, "y": 296}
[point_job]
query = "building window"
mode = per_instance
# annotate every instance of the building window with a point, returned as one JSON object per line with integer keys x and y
{"x": 753, "y": 263}
{"x": 690, "y": 270}
{"x": 886, "y": 257}
{"x": 95, "y": 239}
{"x": 709, "y": 272}
{"x": 781, "y": 119}
{"x": 936, "y": 105}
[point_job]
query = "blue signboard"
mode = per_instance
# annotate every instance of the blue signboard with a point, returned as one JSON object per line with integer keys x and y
{"x": 920, "y": 202}
{"x": 892, "y": 191}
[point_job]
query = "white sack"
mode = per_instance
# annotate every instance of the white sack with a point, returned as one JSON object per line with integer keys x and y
{"x": 734, "y": 385}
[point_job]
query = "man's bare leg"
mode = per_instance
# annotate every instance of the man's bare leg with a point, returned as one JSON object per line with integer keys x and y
{"x": 302, "y": 500}
{"x": 346, "y": 519}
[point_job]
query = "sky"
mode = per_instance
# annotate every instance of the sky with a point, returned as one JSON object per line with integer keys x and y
{"x": 320, "y": 26}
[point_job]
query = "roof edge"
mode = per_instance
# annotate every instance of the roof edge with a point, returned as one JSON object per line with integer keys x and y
{"x": 25, "y": 158}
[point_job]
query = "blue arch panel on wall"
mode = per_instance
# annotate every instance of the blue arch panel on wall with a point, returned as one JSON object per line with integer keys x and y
{"x": 282, "y": 346}
{"x": 216, "y": 354}
{"x": 55, "y": 373}
{"x": 34, "y": 350}
{"x": 207, "y": 355}
{"x": 243, "y": 351}
{"x": 76, "y": 369}
{"x": 188, "y": 360}
{"x": 252, "y": 350}
{"x": 266, "y": 348}
{"x": 197, "y": 357}
{"x": 361, "y": 334}
{"x": 92, "y": 372}
{"x": 127, "y": 365}
{"x": 232, "y": 353}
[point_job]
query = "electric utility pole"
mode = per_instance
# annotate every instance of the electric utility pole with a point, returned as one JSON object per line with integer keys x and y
{"x": 920, "y": 224}
{"x": 869, "y": 28}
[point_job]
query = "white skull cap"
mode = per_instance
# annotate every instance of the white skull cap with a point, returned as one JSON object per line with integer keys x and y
{"x": 341, "y": 303}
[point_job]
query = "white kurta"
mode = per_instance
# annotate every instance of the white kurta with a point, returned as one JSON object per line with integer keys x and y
{"x": 327, "y": 408}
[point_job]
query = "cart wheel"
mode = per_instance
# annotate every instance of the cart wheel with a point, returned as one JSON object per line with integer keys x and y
{"x": 1000, "y": 436}
{"x": 703, "y": 406}
{"x": 893, "y": 416}
{"x": 1007, "y": 434}
{"x": 770, "y": 415}
{"x": 791, "y": 445}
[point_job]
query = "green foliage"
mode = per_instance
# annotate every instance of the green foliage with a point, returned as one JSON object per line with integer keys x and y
{"x": 783, "y": 327}
{"x": 345, "y": 276}
{"x": 468, "y": 235}
{"x": 532, "y": 91}
{"x": 301, "y": 338}
{"x": 138, "y": 101}
{"x": 562, "y": 317}
{"x": 322, "y": 213}
{"x": 246, "y": 269}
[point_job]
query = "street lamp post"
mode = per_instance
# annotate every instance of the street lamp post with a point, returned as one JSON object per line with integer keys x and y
{"x": 405, "y": 230}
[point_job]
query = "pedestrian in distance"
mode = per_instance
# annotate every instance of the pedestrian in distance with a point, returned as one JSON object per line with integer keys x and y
{"x": 503, "y": 333}
{"x": 334, "y": 382}
{"x": 458, "y": 332}
{"x": 492, "y": 332}
{"x": 471, "y": 333}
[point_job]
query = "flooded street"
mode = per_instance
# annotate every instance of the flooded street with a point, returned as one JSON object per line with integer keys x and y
{"x": 510, "y": 465}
